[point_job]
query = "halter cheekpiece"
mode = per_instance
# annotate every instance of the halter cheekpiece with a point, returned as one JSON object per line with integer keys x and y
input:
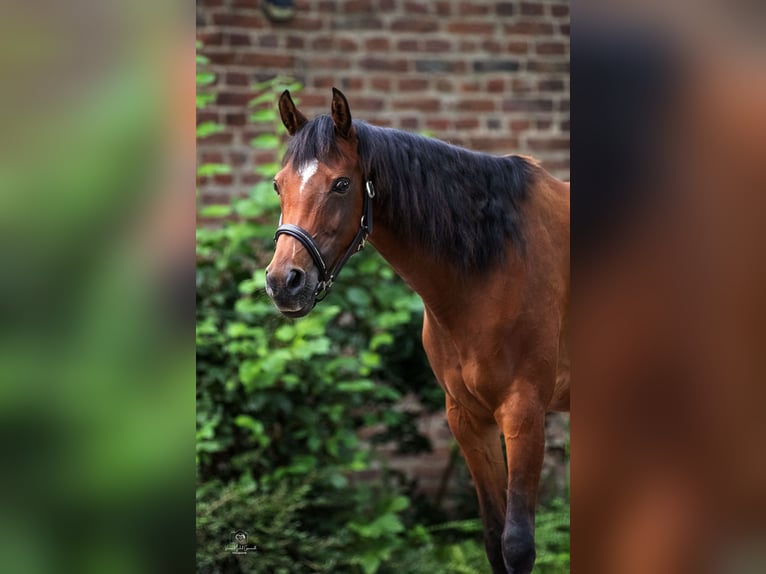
{"x": 327, "y": 277}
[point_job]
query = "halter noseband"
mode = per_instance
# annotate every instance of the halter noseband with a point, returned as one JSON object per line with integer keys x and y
{"x": 327, "y": 278}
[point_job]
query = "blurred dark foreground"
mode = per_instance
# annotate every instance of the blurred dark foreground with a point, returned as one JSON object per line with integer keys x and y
{"x": 669, "y": 298}
{"x": 96, "y": 287}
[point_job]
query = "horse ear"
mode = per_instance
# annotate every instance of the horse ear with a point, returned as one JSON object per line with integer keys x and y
{"x": 292, "y": 118}
{"x": 341, "y": 116}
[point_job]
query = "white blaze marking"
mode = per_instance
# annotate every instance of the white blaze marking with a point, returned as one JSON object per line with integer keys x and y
{"x": 306, "y": 171}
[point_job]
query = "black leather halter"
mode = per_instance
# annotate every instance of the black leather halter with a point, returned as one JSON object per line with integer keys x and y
{"x": 327, "y": 277}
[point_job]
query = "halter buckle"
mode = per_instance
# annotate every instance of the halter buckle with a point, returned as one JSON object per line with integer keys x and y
{"x": 370, "y": 189}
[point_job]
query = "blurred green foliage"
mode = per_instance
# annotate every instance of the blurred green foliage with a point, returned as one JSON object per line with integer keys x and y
{"x": 280, "y": 404}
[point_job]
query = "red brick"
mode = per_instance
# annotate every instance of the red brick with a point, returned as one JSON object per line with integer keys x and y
{"x": 438, "y": 124}
{"x": 527, "y": 28}
{"x": 475, "y": 105}
{"x": 410, "y": 123}
{"x": 268, "y": 40}
{"x": 525, "y": 105}
{"x": 323, "y": 43}
{"x": 530, "y": 9}
{"x": 551, "y": 48}
{"x": 506, "y": 8}
{"x": 548, "y": 144}
{"x": 210, "y": 38}
{"x": 238, "y": 20}
{"x": 262, "y": 60}
{"x": 467, "y": 124}
{"x": 496, "y": 85}
{"x": 211, "y": 157}
{"x": 380, "y": 121}
{"x": 345, "y": 44}
{"x": 353, "y": 84}
{"x": 471, "y": 27}
{"x": 236, "y": 119}
{"x": 519, "y": 125}
{"x": 263, "y": 157}
{"x": 295, "y": 43}
{"x": 443, "y": 8}
{"x": 414, "y": 25}
{"x": 470, "y": 86}
{"x": 324, "y": 81}
{"x": 239, "y": 40}
{"x": 314, "y": 100}
{"x": 517, "y": 47}
{"x": 377, "y": 44}
{"x": 438, "y": 45}
{"x": 368, "y": 104}
{"x": 551, "y": 85}
{"x": 235, "y": 79}
{"x": 356, "y": 6}
{"x": 407, "y": 45}
{"x": 378, "y": 64}
{"x": 231, "y": 99}
{"x": 380, "y": 83}
{"x": 223, "y": 179}
{"x": 221, "y": 58}
{"x": 422, "y": 104}
{"x": 305, "y": 23}
{"x": 473, "y": 8}
{"x": 328, "y": 63}
{"x": 521, "y": 85}
{"x": 206, "y": 116}
{"x": 416, "y": 7}
{"x": 222, "y": 138}
{"x": 412, "y": 84}
{"x": 498, "y": 144}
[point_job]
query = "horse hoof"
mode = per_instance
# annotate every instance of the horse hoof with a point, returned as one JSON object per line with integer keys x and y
{"x": 518, "y": 550}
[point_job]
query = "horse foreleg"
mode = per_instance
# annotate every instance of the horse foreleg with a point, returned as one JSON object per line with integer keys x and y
{"x": 522, "y": 419}
{"x": 479, "y": 441}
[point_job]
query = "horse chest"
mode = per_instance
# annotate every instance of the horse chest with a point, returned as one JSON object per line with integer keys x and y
{"x": 461, "y": 374}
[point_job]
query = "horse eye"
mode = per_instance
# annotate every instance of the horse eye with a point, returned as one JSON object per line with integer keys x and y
{"x": 341, "y": 185}
{"x": 276, "y": 188}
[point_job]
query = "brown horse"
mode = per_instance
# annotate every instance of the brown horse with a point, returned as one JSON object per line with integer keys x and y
{"x": 484, "y": 241}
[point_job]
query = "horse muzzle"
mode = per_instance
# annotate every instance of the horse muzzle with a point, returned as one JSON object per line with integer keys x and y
{"x": 292, "y": 289}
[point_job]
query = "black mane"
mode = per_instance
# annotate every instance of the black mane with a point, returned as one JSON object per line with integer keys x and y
{"x": 460, "y": 205}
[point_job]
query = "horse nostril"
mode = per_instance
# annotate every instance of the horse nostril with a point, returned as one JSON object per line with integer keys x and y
{"x": 296, "y": 279}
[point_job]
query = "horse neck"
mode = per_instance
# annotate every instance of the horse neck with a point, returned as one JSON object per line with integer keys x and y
{"x": 439, "y": 285}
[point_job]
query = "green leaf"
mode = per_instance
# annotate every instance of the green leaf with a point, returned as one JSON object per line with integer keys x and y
{"x": 205, "y": 78}
{"x": 264, "y": 97}
{"x": 215, "y": 211}
{"x": 268, "y": 169}
{"x": 398, "y": 504}
{"x": 211, "y": 169}
{"x": 263, "y": 116}
{"x": 265, "y": 141}
{"x": 206, "y": 129}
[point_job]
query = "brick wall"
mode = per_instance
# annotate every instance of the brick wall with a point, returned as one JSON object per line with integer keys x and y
{"x": 491, "y": 76}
